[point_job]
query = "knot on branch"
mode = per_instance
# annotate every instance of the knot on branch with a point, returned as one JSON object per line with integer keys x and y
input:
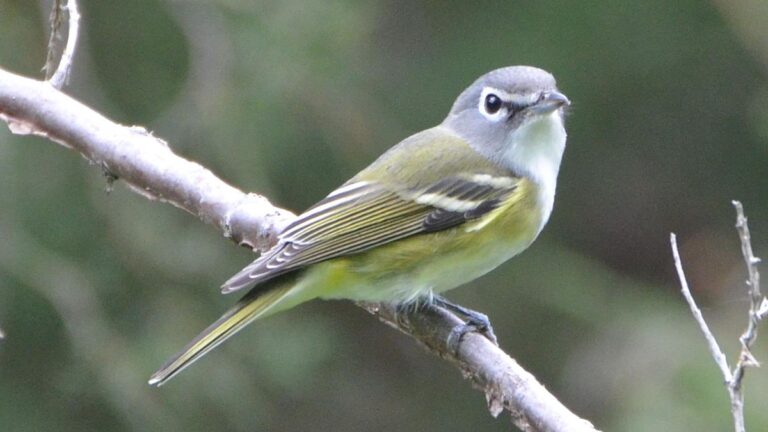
{"x": 248, "y": 225}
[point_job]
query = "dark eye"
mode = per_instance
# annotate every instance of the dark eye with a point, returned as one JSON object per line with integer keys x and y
{"x": 492, "y": 103}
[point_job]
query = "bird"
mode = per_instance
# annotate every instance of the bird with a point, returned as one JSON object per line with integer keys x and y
{"x": 439, "y": 209}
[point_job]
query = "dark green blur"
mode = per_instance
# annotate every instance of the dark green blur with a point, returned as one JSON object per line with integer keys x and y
{"x": 290, "y": 98}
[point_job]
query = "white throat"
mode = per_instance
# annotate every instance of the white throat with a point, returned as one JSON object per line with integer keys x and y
{"x": 535, "y": 150}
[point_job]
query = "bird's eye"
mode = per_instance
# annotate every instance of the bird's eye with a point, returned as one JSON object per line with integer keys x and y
{"x": 492, "y": 103}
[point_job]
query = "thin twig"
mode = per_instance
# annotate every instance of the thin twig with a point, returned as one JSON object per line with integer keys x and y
{"x": 758, "y": 309}
{"x": 55, "y": 19}
{"x": 714, "y": 348}
{"x": 60, "y": 75}
{"x": 756, "y": 299}
{"x": 756, "y": 303}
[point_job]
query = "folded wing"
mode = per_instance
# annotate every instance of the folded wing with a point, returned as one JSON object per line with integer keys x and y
{"x": 364, "y": 215}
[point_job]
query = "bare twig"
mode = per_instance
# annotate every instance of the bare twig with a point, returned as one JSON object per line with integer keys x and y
{"x": 59, "y": 75}
{"x": 714, "y": 348}
{"x": 756, "y": 303}
{"x": 55, "y": 20}
{"x": 758, "y": 309}
{"x": 152, "y": 169}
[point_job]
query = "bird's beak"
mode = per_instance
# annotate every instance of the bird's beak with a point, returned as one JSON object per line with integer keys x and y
{"x": 551, "y": 101}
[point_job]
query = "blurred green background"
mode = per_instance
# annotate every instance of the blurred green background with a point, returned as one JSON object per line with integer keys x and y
{"x": 290, "y": 98}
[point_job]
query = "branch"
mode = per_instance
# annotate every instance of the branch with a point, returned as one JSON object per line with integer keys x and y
{"x": 143, "y": 161}
{"x": 505, "y": 383}
{"x": 758, "y": 309}
{"x": 60, "y": 75}
{"x": 150, "y": 168}
{"x": 757, "y": 306}
{"x": 714, "y": 347}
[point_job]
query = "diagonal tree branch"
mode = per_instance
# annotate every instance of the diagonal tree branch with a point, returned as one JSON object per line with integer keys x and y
{"x": 143, "y": 161}
{"x": 149, "y": 167}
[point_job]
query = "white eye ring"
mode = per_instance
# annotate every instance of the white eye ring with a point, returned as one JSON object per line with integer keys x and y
{"x": 492, "y": 104}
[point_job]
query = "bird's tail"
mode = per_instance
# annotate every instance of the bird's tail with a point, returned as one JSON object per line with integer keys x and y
{"x": 258, "y": 303}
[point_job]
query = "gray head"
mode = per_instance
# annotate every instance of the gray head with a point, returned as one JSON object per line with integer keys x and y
{"x": 514, "y": 116}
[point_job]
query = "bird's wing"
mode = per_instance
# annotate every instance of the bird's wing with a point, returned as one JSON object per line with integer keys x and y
{"x": 364, "y": 215}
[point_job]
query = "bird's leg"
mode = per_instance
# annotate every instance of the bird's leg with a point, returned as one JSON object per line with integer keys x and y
{"x": 475, "y": 322}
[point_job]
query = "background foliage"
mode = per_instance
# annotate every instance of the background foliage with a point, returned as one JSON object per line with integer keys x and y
{"x": 290, "y": 98}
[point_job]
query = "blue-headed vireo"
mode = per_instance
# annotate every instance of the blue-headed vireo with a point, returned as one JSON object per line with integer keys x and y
{"x": 439, "y": 209}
